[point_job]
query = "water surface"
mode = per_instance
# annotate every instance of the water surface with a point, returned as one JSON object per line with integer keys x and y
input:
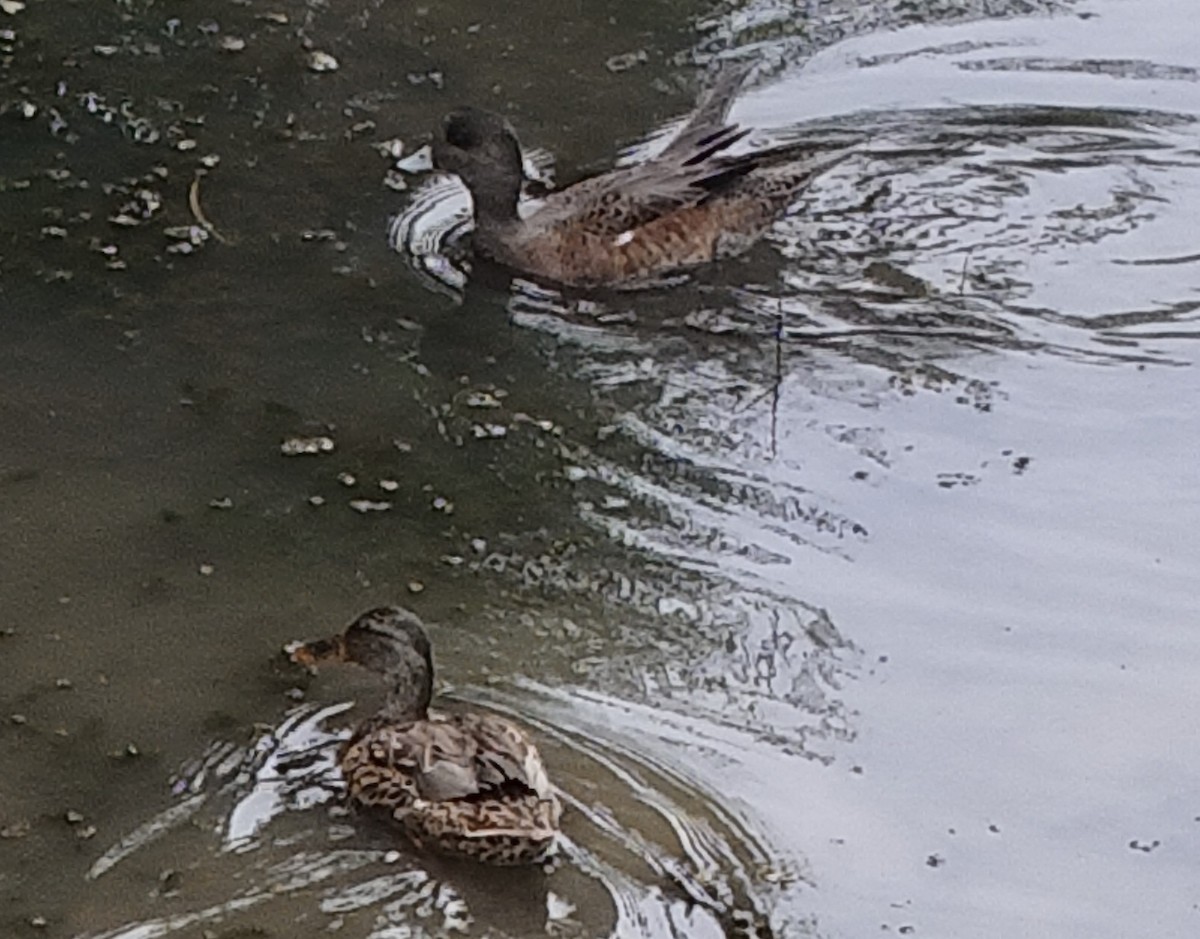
{"x": 848, "y": 587}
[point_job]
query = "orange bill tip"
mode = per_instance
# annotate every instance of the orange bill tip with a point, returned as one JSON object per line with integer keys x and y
{"x": 311, "y": 653}
{"x": 300, "y": 653}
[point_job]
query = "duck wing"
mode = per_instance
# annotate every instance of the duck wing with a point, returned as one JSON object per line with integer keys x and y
{"x": 690, "y": 167}
{"x": 632, "y": 196}
{"x": 710, "y": 115}
{"x": 444, "y": 759}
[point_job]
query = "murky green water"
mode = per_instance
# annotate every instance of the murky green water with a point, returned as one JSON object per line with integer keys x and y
{"x": 848, "y": 588}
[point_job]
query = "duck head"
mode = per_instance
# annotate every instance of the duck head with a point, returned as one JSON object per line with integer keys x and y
{"x": 390, "y": 640}
{"x": 481, "y": 148}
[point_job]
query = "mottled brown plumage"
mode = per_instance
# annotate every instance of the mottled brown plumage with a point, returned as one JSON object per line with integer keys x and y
{"x": 630, "y": 226}
{"x": 468, "y": 784}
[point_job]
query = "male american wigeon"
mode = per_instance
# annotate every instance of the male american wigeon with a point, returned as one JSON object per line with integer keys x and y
{"x": 630, "y": 226}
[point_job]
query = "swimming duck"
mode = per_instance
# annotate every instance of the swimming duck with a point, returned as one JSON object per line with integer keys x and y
{"x": 633, "y": 225}
{"x": 469, "y": 784}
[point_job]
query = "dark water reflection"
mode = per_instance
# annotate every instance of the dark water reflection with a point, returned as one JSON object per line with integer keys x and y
{"x": 848, "y": 585}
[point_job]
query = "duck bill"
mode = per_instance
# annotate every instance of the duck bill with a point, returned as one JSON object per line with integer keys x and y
{"x": 310, "y": 654}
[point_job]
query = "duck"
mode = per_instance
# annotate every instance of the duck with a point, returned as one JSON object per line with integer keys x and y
{"x": 633, "y": 226}
{"x": 470, "y": 784}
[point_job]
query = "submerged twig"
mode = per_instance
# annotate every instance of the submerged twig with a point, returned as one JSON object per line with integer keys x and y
{"x": 198, "y": 212}
{"x": 962, "y": 284}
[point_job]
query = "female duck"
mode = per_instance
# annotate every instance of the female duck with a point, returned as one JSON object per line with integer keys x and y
{"x": 631, "y": 226}
{"x": 468, "y": 784}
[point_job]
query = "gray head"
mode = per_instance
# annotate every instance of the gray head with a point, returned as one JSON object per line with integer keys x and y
{"x": 390, "y": 640}
{"x": 481, "y": 148}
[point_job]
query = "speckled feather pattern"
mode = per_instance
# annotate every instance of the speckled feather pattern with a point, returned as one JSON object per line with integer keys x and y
{"x": 709, "y": 228}
{"x": 470, "y": 784}
{"x": 464, "y": 784}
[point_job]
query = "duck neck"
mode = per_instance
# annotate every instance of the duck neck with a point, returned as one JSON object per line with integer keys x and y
{"x": 496, "y": 202}
{"x": 409, "y": 678}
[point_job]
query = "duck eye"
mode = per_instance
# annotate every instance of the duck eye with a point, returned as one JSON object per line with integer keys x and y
{"x": 460, "y": 133}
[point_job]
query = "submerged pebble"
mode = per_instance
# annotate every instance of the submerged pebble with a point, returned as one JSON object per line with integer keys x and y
{"x": 626, "y": 60}
{"x": 318, "y": 61}
{"x": 392, "y": 149}
{"x": 305, "y": 446}
{"x": 483, "y": 399}
{"x": 18, "y": 829}
{"x": 363, "y": 506}
{"x": 192, "y": 235}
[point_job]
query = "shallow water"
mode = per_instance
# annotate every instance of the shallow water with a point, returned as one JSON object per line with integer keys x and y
{"x": 847, "y": 587}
